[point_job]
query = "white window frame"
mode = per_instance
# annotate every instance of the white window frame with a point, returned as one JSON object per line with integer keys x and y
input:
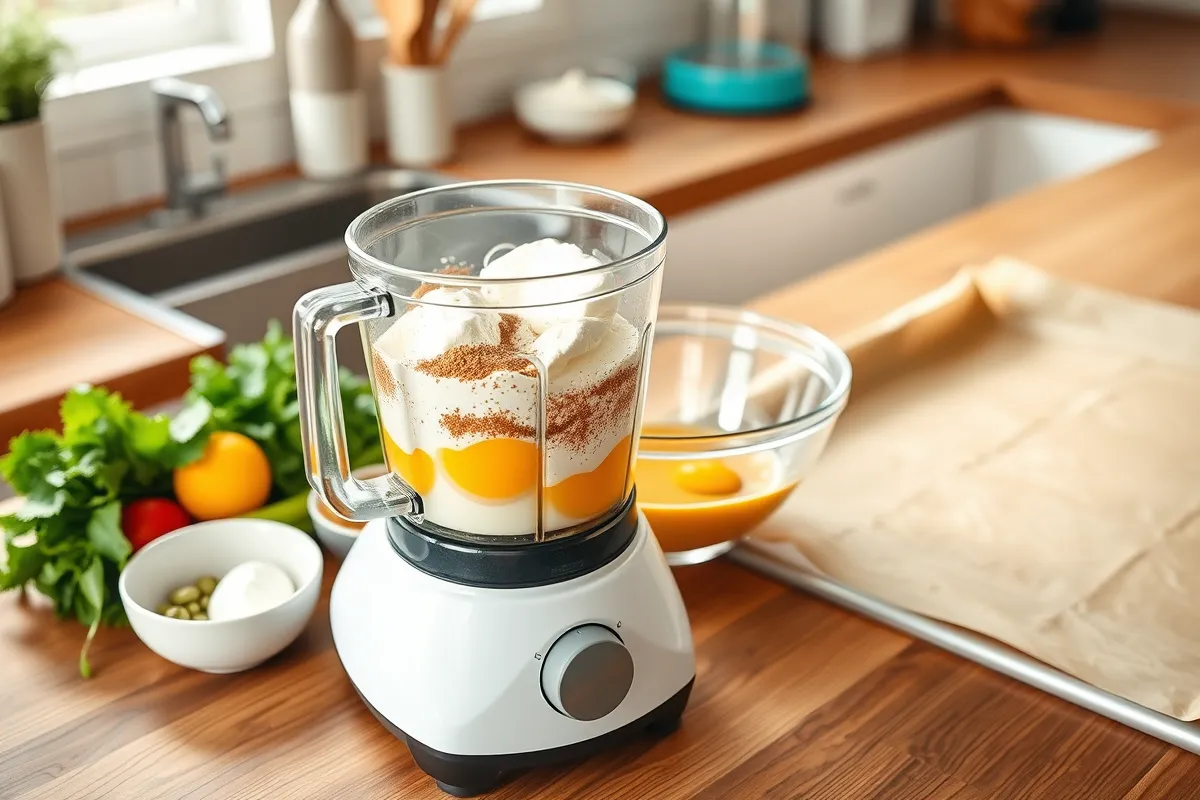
{"x": 136, "y": 32}
{"x": 133, "y": 45}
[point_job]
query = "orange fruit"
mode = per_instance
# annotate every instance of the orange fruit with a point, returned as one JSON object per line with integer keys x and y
{"x": 232, "y": 477}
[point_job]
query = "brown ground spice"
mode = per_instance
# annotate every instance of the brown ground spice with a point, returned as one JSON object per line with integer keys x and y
{"x": 574, "y": 417}
{"x": 385, "y": 382}
{"x": 508, "y": 330}
{"x": 494, "y": 425}
{"x": 474, "y": 362}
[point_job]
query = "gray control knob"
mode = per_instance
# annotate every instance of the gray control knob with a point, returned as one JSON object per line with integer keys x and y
{"x": 587, "y": 672}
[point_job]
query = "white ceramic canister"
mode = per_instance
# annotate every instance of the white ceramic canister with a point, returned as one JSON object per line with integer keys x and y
{"x": 420, "y": 124}
{"x": 329, "y": 109}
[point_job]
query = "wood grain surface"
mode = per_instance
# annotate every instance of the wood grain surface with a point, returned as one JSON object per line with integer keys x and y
{"x": 794, "y": 698}
{"x": 55, "y": 335}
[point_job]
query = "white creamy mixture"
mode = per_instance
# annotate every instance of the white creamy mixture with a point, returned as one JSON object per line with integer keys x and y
{"x": 580, "y": 344}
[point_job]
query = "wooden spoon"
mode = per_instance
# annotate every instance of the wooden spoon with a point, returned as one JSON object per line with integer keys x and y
{"x": 421, "y": 45}
{"x": 402, "y": 18}
{"x": 460, "y": 18}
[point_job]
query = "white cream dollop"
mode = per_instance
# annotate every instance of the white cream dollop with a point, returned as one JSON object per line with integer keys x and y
{"x": 454, "y": 317}
{"x": 563, "y": 341}
{"x": 249, "y": 588}
{"x": 539, "y": 260}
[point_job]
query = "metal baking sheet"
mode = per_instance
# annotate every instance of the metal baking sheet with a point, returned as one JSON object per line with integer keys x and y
{"x": 980, "y": 649}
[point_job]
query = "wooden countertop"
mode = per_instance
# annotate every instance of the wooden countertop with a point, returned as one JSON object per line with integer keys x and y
{"x": 793, "y": 698}
{"x": 56, "y": 334}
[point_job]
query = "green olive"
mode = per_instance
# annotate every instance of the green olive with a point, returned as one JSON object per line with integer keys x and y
{"x": 200, "y": 616}
{"x": 194, "y": 609}
{"x": 204, "y": 602}
{"x": 206, "y": 584}
{"x": 178, "y": 612}
{"x": 184, "y": 595}
{"x": 161, "y": 608}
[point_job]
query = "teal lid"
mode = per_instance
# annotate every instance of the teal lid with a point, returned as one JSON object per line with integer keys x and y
{"x": 734, "y": 78}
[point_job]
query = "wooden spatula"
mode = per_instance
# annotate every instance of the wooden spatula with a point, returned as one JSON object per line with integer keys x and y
{"x": 401, "y": 18}
{"x": 422, "y": 40}
{"x": 460, "y": 18}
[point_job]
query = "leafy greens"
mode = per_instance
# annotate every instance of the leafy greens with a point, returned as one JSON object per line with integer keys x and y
{"x": 66, "y": 537}
{"x": 255, "y": 394}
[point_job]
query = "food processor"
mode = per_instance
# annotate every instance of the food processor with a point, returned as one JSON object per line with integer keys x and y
{"x": 507, "y": 605}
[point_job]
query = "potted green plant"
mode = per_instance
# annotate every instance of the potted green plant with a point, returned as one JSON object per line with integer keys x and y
{"x": 27, "y": 57}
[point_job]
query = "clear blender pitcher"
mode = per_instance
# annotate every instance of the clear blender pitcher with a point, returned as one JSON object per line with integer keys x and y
{"x": 507, "y": 328}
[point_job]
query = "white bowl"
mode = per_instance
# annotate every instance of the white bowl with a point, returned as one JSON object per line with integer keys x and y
{"x": 570, "y": 119}
{"x": 214, "y": 548}
{"x": 339, "y": 537}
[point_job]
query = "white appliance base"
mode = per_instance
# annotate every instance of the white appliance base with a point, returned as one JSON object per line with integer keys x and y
{"x": 455, "y": 670}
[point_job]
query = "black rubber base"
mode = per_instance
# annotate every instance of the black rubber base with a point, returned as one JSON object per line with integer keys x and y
{"x": 435, "y": 552}
{"x": 469, "y": 776}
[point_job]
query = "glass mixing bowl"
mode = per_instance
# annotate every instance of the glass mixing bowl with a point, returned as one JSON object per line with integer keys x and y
{"x": 738, "y": 410}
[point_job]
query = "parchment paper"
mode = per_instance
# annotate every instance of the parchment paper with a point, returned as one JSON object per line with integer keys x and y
{"x": 1021, "y": 457}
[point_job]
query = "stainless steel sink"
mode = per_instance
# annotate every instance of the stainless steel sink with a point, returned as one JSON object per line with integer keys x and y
{"x": 247, "y": 260}
{"x": 253, "y": 254}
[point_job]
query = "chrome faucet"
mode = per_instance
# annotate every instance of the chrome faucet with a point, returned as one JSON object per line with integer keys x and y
{"x": 186, "y": 192}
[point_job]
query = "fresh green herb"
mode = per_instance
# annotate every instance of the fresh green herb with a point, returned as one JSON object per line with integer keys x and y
{"x": 255, "y": 394}
{"x": 66, "y": 537}
{"x": 27, "y": 53}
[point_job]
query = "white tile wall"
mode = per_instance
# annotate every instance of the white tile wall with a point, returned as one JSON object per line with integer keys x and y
{"x": 107, "y": 149}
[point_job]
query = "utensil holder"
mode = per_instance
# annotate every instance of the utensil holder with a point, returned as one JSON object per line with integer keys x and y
{"x": 420, "y": 126}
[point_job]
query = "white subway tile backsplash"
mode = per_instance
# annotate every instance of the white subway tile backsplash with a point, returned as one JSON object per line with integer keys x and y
{"x": 86, "y": 181}
{"x": 137, "y": 172}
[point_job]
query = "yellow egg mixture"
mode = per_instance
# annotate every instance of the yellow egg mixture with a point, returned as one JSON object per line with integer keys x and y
{"x": 689, "y": 504}
{"x": 502, "y": 469}
{"x": 693, "y": 504}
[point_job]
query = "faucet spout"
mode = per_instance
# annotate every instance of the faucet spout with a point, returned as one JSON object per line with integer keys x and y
{"x": 183, "y": 191}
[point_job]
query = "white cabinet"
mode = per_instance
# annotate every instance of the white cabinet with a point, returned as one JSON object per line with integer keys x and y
{"x": 750, "y": 244}
{"x": 1022, "y": 150}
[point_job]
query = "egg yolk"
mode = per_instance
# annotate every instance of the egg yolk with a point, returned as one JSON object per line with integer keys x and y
{"x": 590, "y": 494}
{"x": 416, "y": 468}
{"x": 707, "y": 477}
{"x": 493, "y": 469}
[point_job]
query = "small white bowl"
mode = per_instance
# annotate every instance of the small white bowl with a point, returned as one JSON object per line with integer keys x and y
{"x": 214, "y": 548}
{"x": 338, "y": 537}
{"x": 558, "y": 108}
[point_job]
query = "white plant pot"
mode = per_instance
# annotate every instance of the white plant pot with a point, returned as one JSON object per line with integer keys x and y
{"x": 7, "y": 279}
{"x": 420, "y": 125}
{"x": 30, "y": 201}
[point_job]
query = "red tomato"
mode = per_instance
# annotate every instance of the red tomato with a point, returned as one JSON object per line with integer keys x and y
{"x": 145, "y": 520}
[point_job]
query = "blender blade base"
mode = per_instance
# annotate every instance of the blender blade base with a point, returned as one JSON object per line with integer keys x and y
{"x": 456, "y": 670}
{"x": 469, "y": 776}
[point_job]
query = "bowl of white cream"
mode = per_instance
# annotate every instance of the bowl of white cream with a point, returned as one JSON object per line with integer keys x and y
{"x": 268, "y": 581}
{"x": 578, "y": 105}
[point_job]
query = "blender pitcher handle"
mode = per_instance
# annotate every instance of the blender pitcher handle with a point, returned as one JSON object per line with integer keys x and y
{"x": 317, "y": 318}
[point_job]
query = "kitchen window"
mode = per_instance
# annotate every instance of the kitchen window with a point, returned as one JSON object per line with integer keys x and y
{"x": 103, "y": 31}
{"x": 113, "y": 42}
